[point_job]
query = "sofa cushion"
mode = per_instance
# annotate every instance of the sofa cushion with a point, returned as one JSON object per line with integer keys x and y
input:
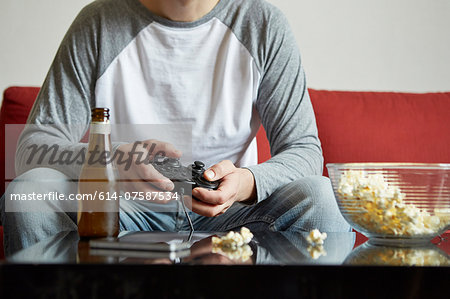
{"x": 16, "y": 105}
{"x": 379, "y": 127}
{"x": 383, "y": 126}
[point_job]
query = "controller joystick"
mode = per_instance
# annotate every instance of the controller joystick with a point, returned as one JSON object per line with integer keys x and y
{"x": 172, "y": 169}
{"x": 173, "y": 162}
{"x": 198, "y": 167}
{"x": 158, "y": 159}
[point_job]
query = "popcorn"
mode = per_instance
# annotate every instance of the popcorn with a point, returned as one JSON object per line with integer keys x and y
{"x": 316, "y": 237}
{"x": 316, "y": 240}
{"x": 242, "y": 253}
{"x": 316, "y": 251}
{"x": 234, "y": 245}
{"x": 381, "y": 209}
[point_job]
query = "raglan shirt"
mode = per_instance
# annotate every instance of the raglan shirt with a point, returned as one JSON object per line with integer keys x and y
{"x": 224, "y": 75}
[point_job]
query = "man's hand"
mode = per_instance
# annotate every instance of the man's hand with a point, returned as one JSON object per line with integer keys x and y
{"x": 136, "y": 172}
{"x": 236, "y": 184}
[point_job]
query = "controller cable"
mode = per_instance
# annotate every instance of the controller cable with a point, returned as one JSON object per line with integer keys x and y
{"x": 191, "y": 226}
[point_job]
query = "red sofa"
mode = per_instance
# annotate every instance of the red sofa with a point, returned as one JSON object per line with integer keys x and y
{"x": 353, "y": 126}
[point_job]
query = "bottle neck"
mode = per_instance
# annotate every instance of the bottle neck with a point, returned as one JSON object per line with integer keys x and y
{"x": 100, "y": 128}
{"x": 99, "y": 147}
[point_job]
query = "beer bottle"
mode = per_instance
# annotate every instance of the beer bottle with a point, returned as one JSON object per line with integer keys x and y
{"x": 98, "y": 209}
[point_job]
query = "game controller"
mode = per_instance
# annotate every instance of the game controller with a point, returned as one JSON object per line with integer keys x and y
{"x": 172, "y": 169}
{"x": 181, "y": 176}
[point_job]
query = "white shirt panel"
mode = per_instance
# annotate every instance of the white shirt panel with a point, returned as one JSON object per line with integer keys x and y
{"x": 198, "y": 76}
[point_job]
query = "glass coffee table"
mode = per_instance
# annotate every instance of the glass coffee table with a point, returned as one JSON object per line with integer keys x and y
{"x": 282, "y": 264}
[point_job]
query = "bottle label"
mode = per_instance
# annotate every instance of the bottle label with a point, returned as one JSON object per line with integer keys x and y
{"x": 100, "y": 128}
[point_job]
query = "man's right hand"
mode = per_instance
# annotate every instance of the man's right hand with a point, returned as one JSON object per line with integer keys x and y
{"x": 136, "y": 172}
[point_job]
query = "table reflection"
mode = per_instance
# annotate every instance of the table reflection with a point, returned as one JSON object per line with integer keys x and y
{"x": 267, "y": 248}
{"x": 277, "y": 248}
{"x": 378, "y": 255}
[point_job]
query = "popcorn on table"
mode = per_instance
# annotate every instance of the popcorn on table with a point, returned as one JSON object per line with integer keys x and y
{"x": 384, "y": 210}
{"x": 316, "y": 240}
{"x": 234, "y": 245}
{"x": 316, "y": 251}
{"x": 316, "y": 237}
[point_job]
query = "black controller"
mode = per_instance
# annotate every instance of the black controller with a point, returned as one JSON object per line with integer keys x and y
{"x": 172, "y": 169}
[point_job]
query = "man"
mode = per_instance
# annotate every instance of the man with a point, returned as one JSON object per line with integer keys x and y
{"x": 223, "y": 67}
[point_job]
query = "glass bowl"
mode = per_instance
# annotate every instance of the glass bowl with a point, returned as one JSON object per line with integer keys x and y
{"x": 393, "y": 202}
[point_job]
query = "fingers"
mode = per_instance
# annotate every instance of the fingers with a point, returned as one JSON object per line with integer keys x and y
{"x": 218, "y": 171}
{"x": 156, "y": 147}
{"x": 211, "y": 203}
{"x": 133, "y": 185}
{"x": 227, "y": 191}
{"x": 223, "y": 194}
{"x": 206, "y": 209}
{"x": 149, "y": 174}
{"x": 141, "y": 176}
{"x": 143, "y": 152}
{"x": 142, "y": 190}
{"x": 134, "y": 164}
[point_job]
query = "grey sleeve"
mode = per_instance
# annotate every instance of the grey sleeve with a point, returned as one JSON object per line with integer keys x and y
{"x": 286, "y": 112}
{"x": 61, "y": 113}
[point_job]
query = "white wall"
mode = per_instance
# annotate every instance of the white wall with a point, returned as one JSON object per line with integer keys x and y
{"x": 30, "y": 33}
{"x": 392, "y": 45}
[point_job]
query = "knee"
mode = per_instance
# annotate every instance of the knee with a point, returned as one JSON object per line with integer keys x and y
{"x": 313, "y": 205}
{"x": 27, "y": 192}
{"x": 316, "y": 190}
{"x": 40, "y": 174}
{"x": 37, "y": 179}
